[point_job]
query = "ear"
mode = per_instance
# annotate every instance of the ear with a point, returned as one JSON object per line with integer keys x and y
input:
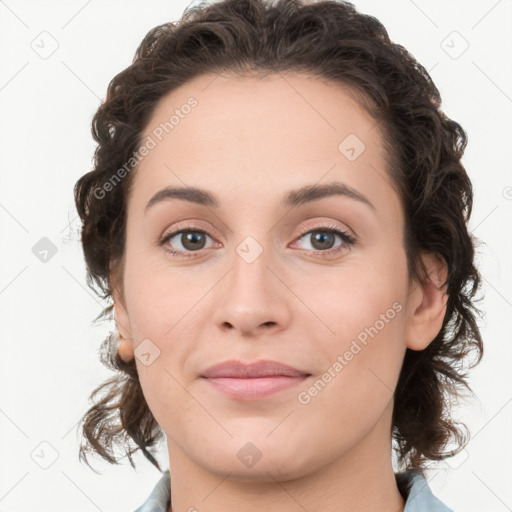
{"x": 428, "y": 303}
{"x": 122, "y": 320}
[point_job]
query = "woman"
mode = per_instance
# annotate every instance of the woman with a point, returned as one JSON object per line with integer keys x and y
{"x": 284, "y": 375}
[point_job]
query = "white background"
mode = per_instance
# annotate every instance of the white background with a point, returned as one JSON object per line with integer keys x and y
{"x": 49, "y": 362}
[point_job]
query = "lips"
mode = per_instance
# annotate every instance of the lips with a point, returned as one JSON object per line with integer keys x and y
{"x": 238, "y": 370}
{"x": 255, "y": 381}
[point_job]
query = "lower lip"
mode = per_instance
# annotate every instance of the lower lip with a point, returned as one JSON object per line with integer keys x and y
{"x": 253, "y": 388}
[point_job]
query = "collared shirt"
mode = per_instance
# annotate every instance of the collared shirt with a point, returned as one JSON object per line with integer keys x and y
{"x": 413, "y": 487}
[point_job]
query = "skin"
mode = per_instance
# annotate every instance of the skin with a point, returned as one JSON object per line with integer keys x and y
{"x": 249, "y": 141}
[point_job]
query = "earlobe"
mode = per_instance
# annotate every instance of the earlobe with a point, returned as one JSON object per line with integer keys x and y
{"x": 125, "y": 349}
{"x": 428, "y": 301}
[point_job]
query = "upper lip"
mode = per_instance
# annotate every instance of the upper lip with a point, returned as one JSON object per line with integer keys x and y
{"x": 263, "y": 368}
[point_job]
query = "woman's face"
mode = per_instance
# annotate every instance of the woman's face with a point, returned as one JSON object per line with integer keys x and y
{"x": 263, "y": 276}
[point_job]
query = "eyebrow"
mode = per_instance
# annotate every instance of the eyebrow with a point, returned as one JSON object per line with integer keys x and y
{"x": 293, "y": 198}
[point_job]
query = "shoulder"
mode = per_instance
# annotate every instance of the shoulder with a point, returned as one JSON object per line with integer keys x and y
{"x": 159, "y": 498}
{"x": 417, "y": 493}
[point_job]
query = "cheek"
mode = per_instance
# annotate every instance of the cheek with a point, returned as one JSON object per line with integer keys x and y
{"x": 359, "y": 327}
{"x": 362, "y": 356}
{"x": 167, "y": 314}
{"x": 353, "y": 303}
{"x": 158, "y": 297}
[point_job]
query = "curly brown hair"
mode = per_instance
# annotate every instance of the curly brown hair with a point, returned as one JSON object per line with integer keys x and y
{"x": 329, "y": 40}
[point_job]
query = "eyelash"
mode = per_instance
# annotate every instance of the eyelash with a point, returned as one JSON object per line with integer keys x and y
{"x": 347, "y": 239}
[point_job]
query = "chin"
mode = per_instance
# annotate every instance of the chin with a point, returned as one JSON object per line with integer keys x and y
{"x": 254, "y": 456}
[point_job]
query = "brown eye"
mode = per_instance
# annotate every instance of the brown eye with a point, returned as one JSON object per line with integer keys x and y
{"x": 185, "y": 241}
{"x": 192, "y": 240}
{"x": 322, "y": 240}
{"x": 189, "y": 240}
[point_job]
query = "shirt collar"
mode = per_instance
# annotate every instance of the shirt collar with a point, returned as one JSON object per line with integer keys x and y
{"x": 412, "y": 485}
{"x": 419, "y": 497}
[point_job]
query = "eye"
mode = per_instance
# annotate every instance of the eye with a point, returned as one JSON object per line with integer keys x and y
{"x": 323, "y": 239}
{"x": 193, "y": 240}
{"x": 190, "y": 239}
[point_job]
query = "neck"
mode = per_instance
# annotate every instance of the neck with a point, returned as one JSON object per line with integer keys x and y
{"x": 362, "y": 480}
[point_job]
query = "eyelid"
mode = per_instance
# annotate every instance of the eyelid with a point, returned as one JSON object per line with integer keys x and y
{"x": 324, "y": 225}
{"x": 189, "y": 225}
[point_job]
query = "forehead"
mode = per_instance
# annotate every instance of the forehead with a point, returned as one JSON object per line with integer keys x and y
{"x": 239, "y": 132}
{"x": 229, "y": 108}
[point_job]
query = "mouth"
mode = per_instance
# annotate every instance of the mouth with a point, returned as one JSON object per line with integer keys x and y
{"x": 253, "y": 381}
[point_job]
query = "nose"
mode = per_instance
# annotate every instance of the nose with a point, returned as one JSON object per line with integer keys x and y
{"x": 253, "y": 298}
